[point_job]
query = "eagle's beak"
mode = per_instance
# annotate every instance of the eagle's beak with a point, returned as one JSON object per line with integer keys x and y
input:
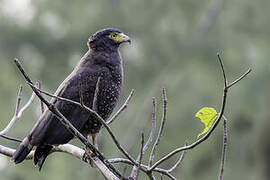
{"x": 125, "y": 38}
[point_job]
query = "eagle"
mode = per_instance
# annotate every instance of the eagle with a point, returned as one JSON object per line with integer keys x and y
{"x": 102, "y": 66}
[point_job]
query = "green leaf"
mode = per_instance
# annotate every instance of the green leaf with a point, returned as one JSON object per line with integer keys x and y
{"x": 207, "y": 116}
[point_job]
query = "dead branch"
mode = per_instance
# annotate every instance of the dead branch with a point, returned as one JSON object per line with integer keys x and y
{"x": 42, "y": 108}
{"x": 135, "y": 170}
{"x": 165, "y": 100}
{"x": 123, "y": 107}
{"x": 179, "y": 161}
{"x": 95, "y": 95}
{"x": 224, "y": 149}
{"x": 11, "y": 138}
{"x": 18, "y": 112}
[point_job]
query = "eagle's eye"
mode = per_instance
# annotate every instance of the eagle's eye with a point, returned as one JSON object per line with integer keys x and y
{"x": 113, "y": 36}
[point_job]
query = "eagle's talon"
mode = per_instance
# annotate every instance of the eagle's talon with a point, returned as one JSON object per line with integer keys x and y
{"x": 86, "y": 157}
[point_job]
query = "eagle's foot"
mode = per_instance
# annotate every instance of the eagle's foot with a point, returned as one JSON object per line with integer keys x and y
{"x": 86, "y": 157}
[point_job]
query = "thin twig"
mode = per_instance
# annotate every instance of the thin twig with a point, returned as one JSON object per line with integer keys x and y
{"x": 19, "y": 98}
{"x": 143, "y": 167}
{"x": 18, "y": 112}
{"x": 224, "y": 149}
{"x": 10, "y": 138}
{"x": 80, "y": 91}
{"x": 151, "y": 176}
{"x": 154, "y": 124}
{"x": 240, "y": 78}
{"x": 94, "y": 106}
{"x": 164, "y": 116}
{"x": 41, "y": 103}
{"x": 123, "y": 107}
{"x": 179, "y": 161}
{"x": 136, "y": 169}
{"x": 152, "y": 132}
{"x": 223, "y": 71}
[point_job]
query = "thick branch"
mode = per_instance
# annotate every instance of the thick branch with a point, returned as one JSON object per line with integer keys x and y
{"x": 69, "y": 149}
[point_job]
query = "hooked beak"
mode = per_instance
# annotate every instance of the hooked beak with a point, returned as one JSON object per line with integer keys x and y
{"x": 125, "y": 38}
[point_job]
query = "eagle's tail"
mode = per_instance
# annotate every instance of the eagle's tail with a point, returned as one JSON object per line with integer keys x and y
{"x": 22, "y": 151}
{"x": 40, "y": 155}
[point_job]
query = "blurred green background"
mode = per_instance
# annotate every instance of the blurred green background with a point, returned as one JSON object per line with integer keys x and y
{"x": 174, "y": 45}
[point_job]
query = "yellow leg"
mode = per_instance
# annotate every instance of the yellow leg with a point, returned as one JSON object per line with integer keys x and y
{"x": 94, "y": 140}
{"x": 85, "y": 156}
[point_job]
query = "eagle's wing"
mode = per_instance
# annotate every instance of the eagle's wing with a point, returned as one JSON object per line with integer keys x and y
{"x": 49, "y": 130}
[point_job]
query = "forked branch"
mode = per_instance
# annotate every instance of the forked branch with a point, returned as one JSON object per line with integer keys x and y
{"x": 18, "y": 112}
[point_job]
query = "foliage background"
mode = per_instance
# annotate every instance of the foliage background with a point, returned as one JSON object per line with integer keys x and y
{"x": 174, "y": 45}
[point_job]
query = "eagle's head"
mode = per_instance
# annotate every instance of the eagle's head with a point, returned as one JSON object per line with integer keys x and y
{"x": 107, "y": 39}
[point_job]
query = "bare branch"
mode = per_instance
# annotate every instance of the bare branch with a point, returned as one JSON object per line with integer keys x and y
{"x": 41, "y": 103}
{"x": 123, "y": 107}
{"x": 10, "y": 138}
{"x": 80, "y": 91}
{"x": 135, "y": 170}
{"x": 151, "y": 176}
{"x": 69, "y": 149}
{"x": 224, "y": 149}
{"x": 170, "y": 176}
{"x": 94, "y": 106}
{"x": 179, "y": 161}
{"x": 9, "y": 152}
{"x": 143, "y": 167}
{"x": 164, "y": 116}
{"x": 223, "y": 71}
{"x": 18, "y": 112}
{"x": 240, "y": 78}
{"x": 151, "y": 136}
{"x": 154, "y": 124}
{"x": 19, "y": 98}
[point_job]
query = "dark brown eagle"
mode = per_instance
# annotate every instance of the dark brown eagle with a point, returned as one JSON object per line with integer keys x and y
{"x": 103, "y": 62}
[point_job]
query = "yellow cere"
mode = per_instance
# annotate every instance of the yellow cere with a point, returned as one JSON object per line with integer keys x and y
{"x": 116, "y": 36}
